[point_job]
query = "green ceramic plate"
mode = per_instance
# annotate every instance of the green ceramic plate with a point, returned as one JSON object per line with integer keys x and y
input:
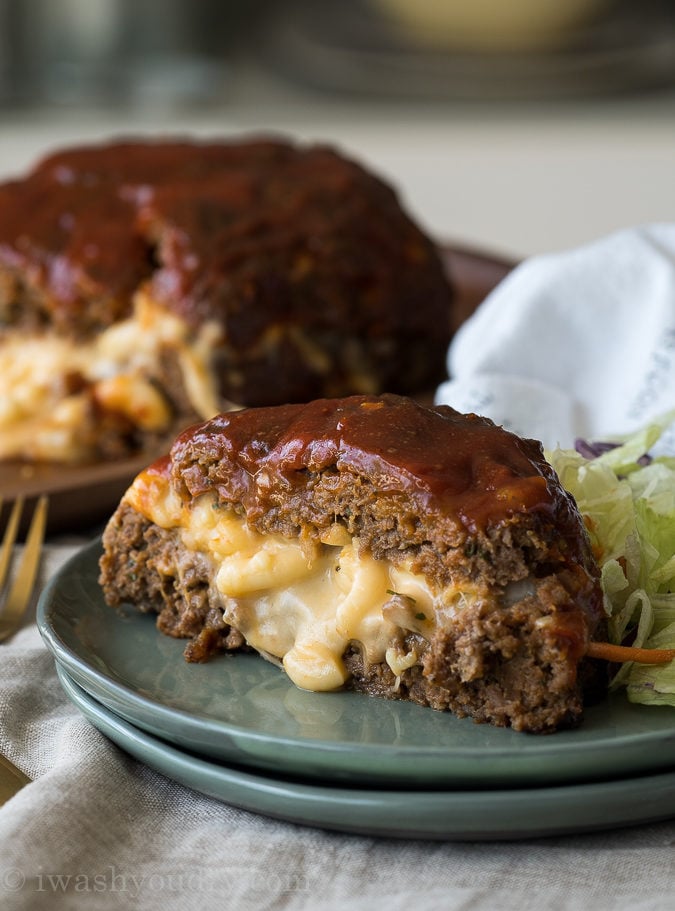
{"x": 464, "y": 814}
{"x": 240, "y": 709}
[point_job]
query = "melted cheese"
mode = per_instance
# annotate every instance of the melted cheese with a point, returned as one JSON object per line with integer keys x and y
{"x": 297, "y": 602}
{"x": 41, "y": 419}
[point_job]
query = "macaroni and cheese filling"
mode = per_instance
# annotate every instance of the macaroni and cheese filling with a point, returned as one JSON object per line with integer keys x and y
{"x": 301, "y": 604}
{"x": 55, "y": 387}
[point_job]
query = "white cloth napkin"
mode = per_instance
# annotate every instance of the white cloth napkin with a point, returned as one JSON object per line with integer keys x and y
{"x": 97, "y": 830}
{"x": 574, "y": 344}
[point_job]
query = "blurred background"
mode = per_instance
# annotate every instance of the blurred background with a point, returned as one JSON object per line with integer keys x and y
{"x": 515, "y": 127}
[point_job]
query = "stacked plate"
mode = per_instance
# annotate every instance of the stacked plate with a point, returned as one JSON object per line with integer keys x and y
{"x": 236, "y": 729}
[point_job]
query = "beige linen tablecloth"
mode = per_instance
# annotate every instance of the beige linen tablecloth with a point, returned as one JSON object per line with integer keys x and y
{"x": 97, "y": 830}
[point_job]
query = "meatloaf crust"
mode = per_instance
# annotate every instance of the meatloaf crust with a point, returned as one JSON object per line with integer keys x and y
{"x": 315, "y": 279}
{"x": 471, "y": 509}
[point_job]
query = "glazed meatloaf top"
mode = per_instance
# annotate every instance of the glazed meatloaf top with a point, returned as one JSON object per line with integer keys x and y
{"x": 460, "y": 495}
{"x": 258, "y": 235}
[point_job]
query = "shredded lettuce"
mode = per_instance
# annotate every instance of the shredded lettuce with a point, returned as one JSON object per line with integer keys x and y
{"x": 627, "y": 500}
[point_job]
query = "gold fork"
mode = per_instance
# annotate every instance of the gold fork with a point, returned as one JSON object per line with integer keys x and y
{"x": 18, "y": 598}
{"x": 19, "y": 593}
{"x": 11, "y": 779}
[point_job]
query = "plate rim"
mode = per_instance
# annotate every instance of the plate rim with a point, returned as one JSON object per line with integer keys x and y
{"x": 366, "y": 811}
{"x": 550, "y": 750}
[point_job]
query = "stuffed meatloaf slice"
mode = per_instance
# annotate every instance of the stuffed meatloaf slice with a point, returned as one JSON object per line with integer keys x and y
{"x": 373, "y": 543}
{"x": 144, "y": 285}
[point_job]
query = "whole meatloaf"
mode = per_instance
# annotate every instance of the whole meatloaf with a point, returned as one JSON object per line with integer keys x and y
{"x": 372, "y": 543}
{"x": 145, "y": 285}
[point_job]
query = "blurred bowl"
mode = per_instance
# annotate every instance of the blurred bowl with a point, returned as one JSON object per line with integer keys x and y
{"x": 491, "y": 25}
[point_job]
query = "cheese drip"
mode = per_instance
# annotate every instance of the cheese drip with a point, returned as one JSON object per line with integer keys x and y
{"x": 300, "y": 603}
{"x": 50, "y": 383}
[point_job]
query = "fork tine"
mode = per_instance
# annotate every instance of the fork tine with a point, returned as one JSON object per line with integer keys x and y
{"x": 20, "y": 592}
{"x": 9, "y": 538}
